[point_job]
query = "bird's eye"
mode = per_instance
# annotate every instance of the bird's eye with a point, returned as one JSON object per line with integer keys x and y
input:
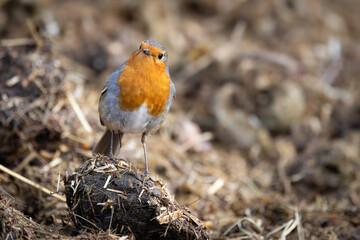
{"x": 160, "y": 56}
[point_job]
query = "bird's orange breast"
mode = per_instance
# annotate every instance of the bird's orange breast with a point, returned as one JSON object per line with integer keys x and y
{"x": 143, "y": 80}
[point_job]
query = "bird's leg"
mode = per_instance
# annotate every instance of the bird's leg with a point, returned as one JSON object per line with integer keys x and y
{"x": 111, "y": 155}
{"x": 121, "y": 135}
{"x": 143, "y": 140}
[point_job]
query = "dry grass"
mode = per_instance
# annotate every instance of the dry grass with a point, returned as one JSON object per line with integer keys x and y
{"x": 262, "y": 141}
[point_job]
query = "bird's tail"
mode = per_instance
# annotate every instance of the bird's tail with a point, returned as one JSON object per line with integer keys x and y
{"x": 103, "y": 146}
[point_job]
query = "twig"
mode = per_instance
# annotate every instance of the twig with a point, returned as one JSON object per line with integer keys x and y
{"x": 32, "y": 155}
{"x": 34, "y": 33}
{"x": 112, "y": 215}
{"x": 76, "y": 187}
{"x": 299, "y": 226}
{"x": 19, "y": 114}
{"x": 290, "y": 226}
{"x": 16, "y": 42}
{"x": 107, "y": 181}
{"x": 93, "y": 224}
{"x": 276, "y": 230}
{"x": 78, "y": 112}
{"x": 280, "y": 59}
{"x": 28, "y": 181}
{"x": 56, "y": 161}
{"x": 242, "y": 229}
{"x": 216, "y": 186}
{"x": 74, "y": 138}
{"x": 58, "y": 183}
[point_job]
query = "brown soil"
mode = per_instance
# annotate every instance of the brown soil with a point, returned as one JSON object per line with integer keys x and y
{"x": 262, "y": 141}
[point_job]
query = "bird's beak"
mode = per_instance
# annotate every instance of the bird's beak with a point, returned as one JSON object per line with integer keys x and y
{"x": 146, "y": 52}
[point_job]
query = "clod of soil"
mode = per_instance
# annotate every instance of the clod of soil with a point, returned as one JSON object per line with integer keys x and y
{"x": 104, "y": 195}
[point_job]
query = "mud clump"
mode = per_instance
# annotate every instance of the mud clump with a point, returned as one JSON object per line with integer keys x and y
{"x": 103, "y": 195}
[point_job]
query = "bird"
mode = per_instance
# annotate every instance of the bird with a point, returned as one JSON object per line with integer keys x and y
{"x": 136, "y": 98}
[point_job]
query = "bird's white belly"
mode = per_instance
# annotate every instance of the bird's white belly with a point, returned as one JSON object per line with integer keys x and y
{"x": 126, "y": 121}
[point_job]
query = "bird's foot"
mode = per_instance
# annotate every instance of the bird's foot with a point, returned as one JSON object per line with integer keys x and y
{"x": 117, "y": 160}
{"x": 147, "y": 174}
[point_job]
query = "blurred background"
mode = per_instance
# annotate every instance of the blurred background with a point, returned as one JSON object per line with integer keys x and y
{"x": 262, "y": 140}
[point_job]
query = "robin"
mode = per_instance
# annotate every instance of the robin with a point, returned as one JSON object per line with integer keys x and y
{"x": 136, "y": 98}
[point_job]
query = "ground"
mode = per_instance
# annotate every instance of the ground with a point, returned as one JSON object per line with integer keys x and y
{"x": 261, "y": 142}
